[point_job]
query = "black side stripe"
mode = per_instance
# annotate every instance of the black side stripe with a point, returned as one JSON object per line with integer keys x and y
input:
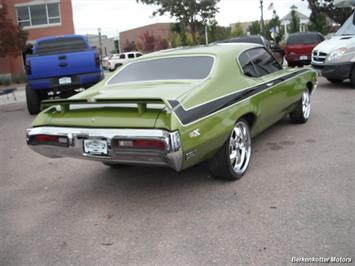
{"x": 195, "y": 113}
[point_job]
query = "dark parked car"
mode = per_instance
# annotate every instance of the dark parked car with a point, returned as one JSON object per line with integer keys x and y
{"x": 276, "y": 50}
{"x": 299, "y": 47}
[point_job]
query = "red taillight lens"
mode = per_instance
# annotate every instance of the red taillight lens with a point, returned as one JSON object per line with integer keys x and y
{"x": 48, "y": 140}
{"x": 142, "y": 144}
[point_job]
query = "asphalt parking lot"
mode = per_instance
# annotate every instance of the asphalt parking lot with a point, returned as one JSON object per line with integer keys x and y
{"x": 297, "y": 200}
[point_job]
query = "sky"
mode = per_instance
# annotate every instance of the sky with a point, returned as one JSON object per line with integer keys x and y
{"x": 114, "y": 16}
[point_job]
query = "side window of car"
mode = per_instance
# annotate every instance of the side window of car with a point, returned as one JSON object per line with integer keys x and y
{"x": 130, "y": 56}
{"x": 122, "y": 56}
{"x": 247, "y": 65}
{"x": 263, "y": 61}
{"x": 138, "y": 54}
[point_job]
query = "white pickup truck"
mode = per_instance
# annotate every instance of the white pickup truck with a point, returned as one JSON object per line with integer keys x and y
{"x": 334, "y": 58}
{"x": 118, "y": 60}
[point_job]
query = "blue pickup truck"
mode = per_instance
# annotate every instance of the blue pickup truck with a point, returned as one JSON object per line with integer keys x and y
{"x": 58, "y": 67}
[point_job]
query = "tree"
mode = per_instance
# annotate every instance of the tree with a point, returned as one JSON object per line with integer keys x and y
{"x": 149, "y": 42}
{"x": 254, "y": 28}
{"x": 161, "y": 44}
{"x": 189, "y": 13}
{"x": 12, "y": 37}
{"x": 318, "y": 22}
{"x": 129, "y": 46}
{"x": 237, "y": 30}
{"x": 339, "y": 15}
{"x": 217, "y": 33}
{"x": 176, "y": 40}
{"x": 295, "y": 22}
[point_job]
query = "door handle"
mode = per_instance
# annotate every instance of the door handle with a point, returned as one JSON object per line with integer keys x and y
{"x": 63, "y": 64}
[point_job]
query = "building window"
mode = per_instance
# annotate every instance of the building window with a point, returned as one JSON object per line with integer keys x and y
{"x": 38, "y": 15}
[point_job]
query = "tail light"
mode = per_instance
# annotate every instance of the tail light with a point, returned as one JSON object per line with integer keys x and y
{"x": 97, "y": 59}
{"x": 142, "y": 144}
{"x": 28, "y": 68}
{"x": 43, "y": 139}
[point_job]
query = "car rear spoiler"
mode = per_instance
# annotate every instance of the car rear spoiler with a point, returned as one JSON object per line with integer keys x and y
{"x": 65, "y": 104}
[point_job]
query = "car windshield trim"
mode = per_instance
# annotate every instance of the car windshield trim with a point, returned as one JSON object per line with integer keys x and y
{"x": 110, "y": 82}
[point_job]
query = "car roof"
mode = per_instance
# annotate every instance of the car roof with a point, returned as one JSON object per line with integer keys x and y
{"x": 212, "y": 49}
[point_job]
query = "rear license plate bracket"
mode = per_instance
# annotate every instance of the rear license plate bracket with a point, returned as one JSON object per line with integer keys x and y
{"x": 97, "y": 147}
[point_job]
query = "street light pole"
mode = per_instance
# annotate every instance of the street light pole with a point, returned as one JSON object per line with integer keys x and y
{"x": 262, "y": 18}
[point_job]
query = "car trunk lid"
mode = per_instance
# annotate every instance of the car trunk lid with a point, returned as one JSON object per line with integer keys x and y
{"x": 124, "y": 106}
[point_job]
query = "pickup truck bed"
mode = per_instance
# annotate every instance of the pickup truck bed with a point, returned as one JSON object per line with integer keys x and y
{"x": 59, "y": 66}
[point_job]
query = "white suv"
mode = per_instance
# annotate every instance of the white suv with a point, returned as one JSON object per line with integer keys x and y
{"x": 118, "y": 60}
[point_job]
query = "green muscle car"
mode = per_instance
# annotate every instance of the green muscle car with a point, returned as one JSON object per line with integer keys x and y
{"x": 177, "y": 108}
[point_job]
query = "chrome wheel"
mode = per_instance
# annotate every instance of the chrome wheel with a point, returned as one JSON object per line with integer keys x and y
{"x": 240, "y": 147}
{"x": 306, "y": 104}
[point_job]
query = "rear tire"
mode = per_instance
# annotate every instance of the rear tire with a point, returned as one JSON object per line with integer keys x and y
{"x": 352, "y": 77}
{"x": 33, "y": 99}
{"x": 232, "y": 160}
{"x": 302, "y": 110}
{"x": 335, "y": 81}
{"x": 290, "y": 64}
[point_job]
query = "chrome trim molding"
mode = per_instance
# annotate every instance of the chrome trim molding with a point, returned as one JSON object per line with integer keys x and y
{"x": 171, "y": 157}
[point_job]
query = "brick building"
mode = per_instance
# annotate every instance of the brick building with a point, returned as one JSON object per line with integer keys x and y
{"x": 159, "y": 30}
{"x": 39, "y": 18}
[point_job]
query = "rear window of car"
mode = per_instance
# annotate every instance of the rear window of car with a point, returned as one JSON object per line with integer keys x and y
{"x": 60, "y": 45}
{"x": 304, "y": 38}
{"x": 246, "y": 39}
{"x": 185, "y": 67}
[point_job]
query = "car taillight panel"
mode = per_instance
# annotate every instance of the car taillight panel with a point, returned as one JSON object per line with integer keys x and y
{"x": 142, "y": 144}
{"x": 43, "y": 139}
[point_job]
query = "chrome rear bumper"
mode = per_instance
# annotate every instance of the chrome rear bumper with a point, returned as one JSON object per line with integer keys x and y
{"x": 171, "y": 156}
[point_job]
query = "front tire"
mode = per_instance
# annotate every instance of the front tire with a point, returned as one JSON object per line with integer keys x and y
{"x": 232, "y": 160}
{"x": 33, "y": 99}
{"x": 303, "y": 109}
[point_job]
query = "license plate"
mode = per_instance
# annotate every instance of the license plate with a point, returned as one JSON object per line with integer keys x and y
{"x": 95, "y": 146}
{"x": 303, "y": 57}
{"x": 65, "y": 80}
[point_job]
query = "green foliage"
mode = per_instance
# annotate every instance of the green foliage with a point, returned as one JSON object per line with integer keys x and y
{"x": 237, "y": 30}
{"x": 176, "y": 40}
{"x": 12, "y": 37}
{"x": 189, "y": 39}
{"x": 190, "y": 14}
{"x": 295, "y": 23}
{"x": 18, "y": 78}
{"x": 339, "y": 15}
{"x": 254, "y": 28}
{"x": 5, "y": 81}
{"x": 218, "y": 33}
{"x": 318, "y": 22}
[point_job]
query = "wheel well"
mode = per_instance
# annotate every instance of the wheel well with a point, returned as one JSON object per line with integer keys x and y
{"x": 250, "y": 118}
{"x": 310, "y": 86}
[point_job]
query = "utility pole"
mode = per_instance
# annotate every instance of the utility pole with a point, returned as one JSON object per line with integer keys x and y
{"x": 206, "y": 34}
{"x": 262, "y": 18}
{"x": 100, "y": 42}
